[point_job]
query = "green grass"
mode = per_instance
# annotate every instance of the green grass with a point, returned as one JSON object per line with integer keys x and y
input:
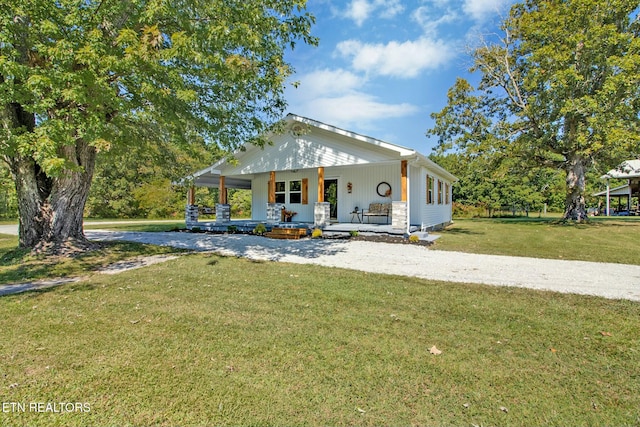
{"x": 132, "y": 226}
{"x": 19, "y": 265}
{"x": 601, "y": 240}
{"x": 205, "y": 340}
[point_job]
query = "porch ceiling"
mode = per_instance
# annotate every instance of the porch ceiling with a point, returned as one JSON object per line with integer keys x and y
{"x": 210, "y": 179}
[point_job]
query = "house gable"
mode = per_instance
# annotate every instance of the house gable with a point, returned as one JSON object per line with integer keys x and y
{"x": 317, "y": 146}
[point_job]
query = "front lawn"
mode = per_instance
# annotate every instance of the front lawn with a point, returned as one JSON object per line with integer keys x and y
{"x": 206, "y": 340}
{"x": 600, "y": 240}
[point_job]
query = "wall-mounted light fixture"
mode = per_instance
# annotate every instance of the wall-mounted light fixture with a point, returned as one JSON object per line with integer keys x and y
{"x": 349, "y": 187}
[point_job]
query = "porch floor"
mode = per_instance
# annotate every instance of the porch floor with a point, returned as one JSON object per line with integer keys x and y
{"x": 246, "y": 226}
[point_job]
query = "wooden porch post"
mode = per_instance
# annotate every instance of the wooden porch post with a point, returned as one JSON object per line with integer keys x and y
{"x": 272, "y": 187}
{"x": 320, "y": 184}
{"x": 191, "y": 196}
{"x": 222, "y": 192}
{"x": 403, "y": 181}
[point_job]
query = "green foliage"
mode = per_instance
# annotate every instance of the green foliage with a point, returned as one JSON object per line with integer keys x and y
{"x": 353, "y": 233}
{"x": 240, "y": 201}
{"x": 8, "y": 200}
{"x": 136, "y": 182}
{"x": 80, "y": 77}
{"x": 260, "y": 229}
{"x": 558, "y": 89}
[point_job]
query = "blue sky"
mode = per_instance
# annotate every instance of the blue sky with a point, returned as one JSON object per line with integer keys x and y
{"x": 383, "y": 66}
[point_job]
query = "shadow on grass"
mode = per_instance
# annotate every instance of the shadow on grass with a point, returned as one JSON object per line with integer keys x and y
{"x": 463, "y": 231}
{"x": 21, "y": 265}
{"x": 239, "y": 245}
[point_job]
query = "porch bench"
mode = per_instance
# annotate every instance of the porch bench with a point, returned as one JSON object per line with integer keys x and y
{"x": 377, "y": 209}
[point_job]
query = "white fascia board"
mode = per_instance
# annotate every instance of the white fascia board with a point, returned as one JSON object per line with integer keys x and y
{"x": 423, "y": 160}
{"x": 208, "y": 170}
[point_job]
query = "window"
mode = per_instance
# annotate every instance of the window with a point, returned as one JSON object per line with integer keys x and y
{"x": 295, "y": 192}
{"x": 280, "y": 192}
{"x": 446, "y": 193}
{"x": 429, "y": 190}
{"x": 440, "y": 192}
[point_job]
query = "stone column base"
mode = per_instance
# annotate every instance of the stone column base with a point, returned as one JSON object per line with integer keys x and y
{"x": 191, "y": 215}
{"x": 399, "y": 215}
{"x": 321, "y": 214}
{"x": 223, "y": 213}
{"x": 274, "y": 212}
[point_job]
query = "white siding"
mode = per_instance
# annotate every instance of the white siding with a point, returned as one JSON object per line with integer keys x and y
{"x": 433, "y": 215}
{"x": 318, "y": 148}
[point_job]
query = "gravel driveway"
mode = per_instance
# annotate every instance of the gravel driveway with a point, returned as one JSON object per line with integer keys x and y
{"x": 607, "y": 280}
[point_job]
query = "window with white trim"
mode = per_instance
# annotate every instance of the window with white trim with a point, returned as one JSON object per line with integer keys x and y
{"x": 429, "y": 190}
{"x": 281, "y": 192}
{"x": 295, "y": 192}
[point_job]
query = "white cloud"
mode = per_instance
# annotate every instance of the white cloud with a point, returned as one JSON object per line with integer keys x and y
{"x": 424, "y": 16}
{"x": 480, "y": 10}
{"x": 361, "y": 10}
{"x": 396, "y": 59}
{"x": 338, "y": 97}
{"x": 357, "y": 110}
{"x": 327, "y": 81}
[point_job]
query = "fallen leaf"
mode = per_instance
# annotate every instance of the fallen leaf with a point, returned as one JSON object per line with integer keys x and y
{"x": 362, "y": 411}
{"x": 435, "y": 351}
{"x": 605, "y": 334}
{"x": 504, "y": 409}
{"x": 553, "y": 350}
{"x": 466, "y": 405}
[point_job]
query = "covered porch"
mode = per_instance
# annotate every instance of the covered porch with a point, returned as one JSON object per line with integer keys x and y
{"x": 312, "y": 200}
{"x": 629, "y": 170}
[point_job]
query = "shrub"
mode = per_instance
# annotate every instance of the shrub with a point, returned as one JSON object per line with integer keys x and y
{"x": 353, "y": 233}
{"x": 414, "y": 239}
{"x": 260, "y": 229}
{"x": 316, "y": 234}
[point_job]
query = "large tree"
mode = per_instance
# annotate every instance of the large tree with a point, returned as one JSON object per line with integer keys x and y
{"x": 80, "y": 76}
{"x": 559, "y": 87}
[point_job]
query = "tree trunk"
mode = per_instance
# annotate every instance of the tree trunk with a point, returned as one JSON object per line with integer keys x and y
{"x": 575, "y": 206}
{"x": 51, "y": 208}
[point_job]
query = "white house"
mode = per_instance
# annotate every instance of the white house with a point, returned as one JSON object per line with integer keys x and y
{"x": 323, "y": 173}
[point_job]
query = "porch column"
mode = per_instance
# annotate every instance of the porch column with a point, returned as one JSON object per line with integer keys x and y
{"x": 320, "y": 184}
{"x": 222, "y": 192}
{"x": 608, "y": 195}
{"x": 274, "y": 210}
{"x": 223, "y": 210}
{"x": 272, "y": 187}
{"x": 400, "y": 209}
{"x": 403, "y": 181}
{"x": 191, "y": 210}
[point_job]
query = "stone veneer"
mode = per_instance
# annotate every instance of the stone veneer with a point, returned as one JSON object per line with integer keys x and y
{"x": 191, "y": 214}
{"x": 223, "y": 213}
{"x": 321, "y": 214}
{"x": 274, "y": 212}
{"x": 399, "y": 215}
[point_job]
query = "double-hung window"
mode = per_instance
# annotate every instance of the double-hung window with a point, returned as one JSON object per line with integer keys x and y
{"x": 295, "y": 192}
{"x": 281, "y": 192}
{"x": 429, "y": 190}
